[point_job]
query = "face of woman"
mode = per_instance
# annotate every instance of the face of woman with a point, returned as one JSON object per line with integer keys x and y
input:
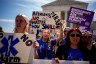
{"x": 20, "y": 23}
{"x": 74, "y": 38}
{"x": 46, "y": 33}
{"x": 87, "y": 37}
{"x": 65, "y": 33}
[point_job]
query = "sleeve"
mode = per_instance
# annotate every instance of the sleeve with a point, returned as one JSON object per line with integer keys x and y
{"x": 59, "y": 52}
{"x": 53, "y": 42}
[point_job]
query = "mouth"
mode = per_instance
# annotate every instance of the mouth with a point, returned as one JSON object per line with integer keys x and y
{"x": 75, "y": 40}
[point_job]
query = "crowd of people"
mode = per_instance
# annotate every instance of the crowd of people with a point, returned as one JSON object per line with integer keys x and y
{"x": 65, "y": 44}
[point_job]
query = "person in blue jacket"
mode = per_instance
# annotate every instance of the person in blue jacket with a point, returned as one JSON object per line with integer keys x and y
{"x": 44, "y": 47}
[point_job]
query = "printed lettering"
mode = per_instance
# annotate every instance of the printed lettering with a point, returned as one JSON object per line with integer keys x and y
{"x": 9, "y": 59}
{"x": 24, "y": 37}
{"x": 28, "y": 42}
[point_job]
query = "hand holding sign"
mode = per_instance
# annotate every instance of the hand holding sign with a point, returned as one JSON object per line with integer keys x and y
{"x": 60, "y": 22}
{"x": 56, "y": 60}
{"x": 35, "y": 44}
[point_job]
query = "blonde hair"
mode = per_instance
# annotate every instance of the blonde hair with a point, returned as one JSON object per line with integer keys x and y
{"x": 49, "y": 39}
{"x": 26, "y": 20}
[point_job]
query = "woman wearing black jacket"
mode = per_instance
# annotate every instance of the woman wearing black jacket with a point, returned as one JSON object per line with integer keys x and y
{"x": 90, "y": 49}
{"x": 72, "y": 50}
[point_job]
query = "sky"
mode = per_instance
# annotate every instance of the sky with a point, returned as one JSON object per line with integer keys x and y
{"x": 10, "y": 8}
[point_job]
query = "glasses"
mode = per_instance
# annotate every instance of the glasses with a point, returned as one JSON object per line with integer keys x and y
{"x": 75, "y": 35}
{"x": 87, "y": 36}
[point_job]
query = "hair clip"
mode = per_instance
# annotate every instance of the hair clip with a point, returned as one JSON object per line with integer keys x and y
{"x": 75, "y": 28}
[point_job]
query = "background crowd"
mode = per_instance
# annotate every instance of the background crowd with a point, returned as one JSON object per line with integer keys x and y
{"x": 65, "y": 44}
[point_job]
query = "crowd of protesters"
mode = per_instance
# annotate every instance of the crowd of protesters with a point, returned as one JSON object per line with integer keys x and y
{"x": 66, "y": 43}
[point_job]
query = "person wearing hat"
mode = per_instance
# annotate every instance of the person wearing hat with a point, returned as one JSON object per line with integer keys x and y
{"x": 21, "y": 24}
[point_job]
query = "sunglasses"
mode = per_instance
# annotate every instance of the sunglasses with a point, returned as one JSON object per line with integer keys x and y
{"x": 87, "y": 36}
{"x": 75, "y": 35}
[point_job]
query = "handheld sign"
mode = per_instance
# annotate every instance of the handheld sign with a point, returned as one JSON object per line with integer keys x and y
{"x": 42, "y": 18}
{"x": 80, "y": 16}
{"x": 16, "y": 48}
{"x": 40, "y": 61}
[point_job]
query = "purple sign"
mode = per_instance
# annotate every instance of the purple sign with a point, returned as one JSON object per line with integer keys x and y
{"x": 80, "y": 16}
{"x": 84, "y": 28}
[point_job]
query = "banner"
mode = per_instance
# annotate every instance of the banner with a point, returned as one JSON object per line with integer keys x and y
{"x": 38, "y": 61}
{"x": 16, "y": 47}
{"x": 80, "y": 16}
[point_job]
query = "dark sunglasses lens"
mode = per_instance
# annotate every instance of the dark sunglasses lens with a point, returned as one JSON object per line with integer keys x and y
{"x": 72, "y": 35}
{"x": 77, "y": 35}
{"x": 88, "y": 36}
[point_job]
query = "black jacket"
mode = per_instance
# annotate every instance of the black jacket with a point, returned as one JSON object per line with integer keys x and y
{"x": 90, "y": 55}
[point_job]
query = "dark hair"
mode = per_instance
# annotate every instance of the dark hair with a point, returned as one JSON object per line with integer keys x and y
{"x": 68, "y": 39}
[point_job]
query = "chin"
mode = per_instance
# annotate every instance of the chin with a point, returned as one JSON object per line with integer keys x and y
{"x": 75, "y": 43}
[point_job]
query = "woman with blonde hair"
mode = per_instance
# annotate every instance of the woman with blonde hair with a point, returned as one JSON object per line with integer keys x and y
{"x": 21, "y": 24}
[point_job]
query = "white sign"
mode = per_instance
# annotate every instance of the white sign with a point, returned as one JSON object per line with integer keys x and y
{"x": 38, "y": 61}
{"x": 50, "y": 18}
{"x": 16, "y": 47}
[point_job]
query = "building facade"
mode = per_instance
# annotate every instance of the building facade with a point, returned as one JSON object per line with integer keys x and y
{"x": 63, "y": 6}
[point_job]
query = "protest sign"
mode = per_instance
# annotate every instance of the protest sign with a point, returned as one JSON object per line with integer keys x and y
{"x": 49, "y": 18}
{"x": 16, "y": 47}
{"x": 80, "y": 16}
{"x": 40, "y": 61}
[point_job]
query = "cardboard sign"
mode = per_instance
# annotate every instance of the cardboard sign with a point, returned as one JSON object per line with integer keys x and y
{"x": 16, "y": 48}
{"x": 80, "y": 16}
{"x": 38, "y": 61}
{"x": 49, "y": 18}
